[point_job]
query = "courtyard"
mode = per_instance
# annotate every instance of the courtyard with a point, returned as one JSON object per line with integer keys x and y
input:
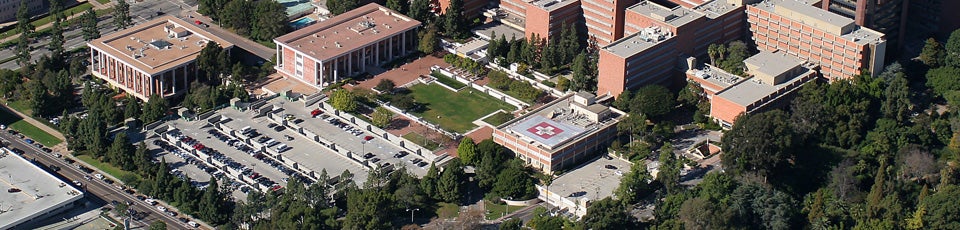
{"x": 455, "y": 111}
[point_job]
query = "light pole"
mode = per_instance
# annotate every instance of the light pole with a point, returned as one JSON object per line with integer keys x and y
{"x": 411, "y": 213}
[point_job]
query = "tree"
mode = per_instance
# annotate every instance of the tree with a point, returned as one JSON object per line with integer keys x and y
{"x": 26, "y": 30}
{"x": 237, "y": 16}
{"x": 343, "y": 100}
{"x": 942, "y": 210}
{"x": 158, "y": 225}
{"x": 654, "y": 101}
{"x": 467, "y": 151}
{"x": 56, "y": 34}
{"x": 669, "y": 174}
{"x": 39, "y": 100}
{"x": 700, "y": 213}
{"x": 9, "y": 82}
{"x": 385, "y": 85}
{"x": 583, "y": 80}
{"x": 450, "y": 184}
{"x": 154, "y": 110}
{"x": 952, "y": 47}
{"x": 212, "y": 203}
{"x": 428, "y": 39}
{"x": 209, "y": 62}
{"x": 398, "y": 5}
{"x": 563, "y": 84}
{"x": 634, "y": 185}
{"x": 132, "y": 108}
{"x": 455, "y": 24}
{"x": 269, "y": 20}
{"x": 403, "y": 102}
{"x": 896, "y": 104}
{"x": 338, "y": 7}
{"x": 760, "y": 143}
{"x": 121, "y": 15}
{"x": 513, "y": 183}
{"x": 607, "y": 214}
{"x": 88, "y": 21}
{"x": 932, "y": 54}
{"x": 943, "y": 80}
{"x": 420, "y": 10}
{"x": 512, "y": 224}
{"x": 381, "y": 117}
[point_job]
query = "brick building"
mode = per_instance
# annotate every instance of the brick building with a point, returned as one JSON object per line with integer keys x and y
{"x": 544, "y": 18}
{"x": 686, "y": 32}
{"x": 770, "y": 78}
{"x": 605, "y": 19}
{"x": 885, "y": 16}
{"x": 647, "y": 57}
{"x": 834, "y": 42}
{"x": 345, "y": 45}
{"x": 154, "y": 57}
{"x": 561, "y": 134}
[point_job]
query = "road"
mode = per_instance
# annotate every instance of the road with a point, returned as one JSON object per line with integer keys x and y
{"x": 95, "y": 189}
{"x": 239, "y": 41}
{"x": 139, "y": 11}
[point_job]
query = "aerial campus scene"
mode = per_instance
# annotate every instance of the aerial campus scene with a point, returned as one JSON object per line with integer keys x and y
{"x": 479, "y": 114}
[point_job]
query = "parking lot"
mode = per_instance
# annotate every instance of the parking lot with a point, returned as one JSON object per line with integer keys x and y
{"x": 354, "y": 139}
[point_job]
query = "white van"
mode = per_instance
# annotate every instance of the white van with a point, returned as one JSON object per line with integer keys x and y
{"x": 282, "y": 147}
{"x": 271, "y": 142}
{"x": 245, "y": 130}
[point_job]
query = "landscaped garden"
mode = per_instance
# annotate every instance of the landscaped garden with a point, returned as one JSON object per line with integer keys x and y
{"x": 14, "y": 122}
{"x": 455, "y": 111}
{"x": 498, "y": 118}
{"x": 447, "y": 80}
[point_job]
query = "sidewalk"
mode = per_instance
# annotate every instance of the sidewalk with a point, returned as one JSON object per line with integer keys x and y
{"x": 96, "y": 6}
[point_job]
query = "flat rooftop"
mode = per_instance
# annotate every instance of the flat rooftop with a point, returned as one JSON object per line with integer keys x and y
{"x": 551, "y": 5}
{"x": 346, "y": 32}
{"x": 40, "y": 192}
{"x": 676, "y": 17}
{"x": 772, "y": 64}
{"x": 546, "y": 131}
{"x": 716, "y": 76}
{"x": 558, "y": 123}
{"x": 486, "y": 31}
{"x": 806, "y": 13}
{"x": 715, "y": 8}
{"x": 152, "y": 46}
{"x": 638, "y": 42}
{"x": 591, "y": 180}
{"x": 749, "y": 91}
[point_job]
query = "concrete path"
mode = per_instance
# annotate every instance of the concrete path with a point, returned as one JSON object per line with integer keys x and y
{"x": 244, "y": 43}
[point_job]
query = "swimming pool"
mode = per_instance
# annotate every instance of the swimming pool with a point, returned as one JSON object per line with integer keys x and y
{"x": 302, "y": 22}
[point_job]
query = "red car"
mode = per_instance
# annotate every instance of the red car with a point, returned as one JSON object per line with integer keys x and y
{"x": 315, "y": 112}
{"x": 368, "y": 138}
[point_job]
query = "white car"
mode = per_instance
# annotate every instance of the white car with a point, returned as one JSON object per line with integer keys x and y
{"x": 193, "y": 224}
{"x": 98, "y": 176}
{"x": 161, "y": 208}
{"x": 150, "y": 201}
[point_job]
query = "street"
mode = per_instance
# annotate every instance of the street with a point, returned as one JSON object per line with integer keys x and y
{"x": 139, "y": 12}
{"x": 96, "y": 190}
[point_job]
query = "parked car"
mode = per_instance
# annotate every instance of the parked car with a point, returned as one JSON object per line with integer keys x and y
{"x": 368, "y": 138}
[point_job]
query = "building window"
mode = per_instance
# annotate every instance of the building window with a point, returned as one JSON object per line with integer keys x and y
{"x": 299, "y": 65}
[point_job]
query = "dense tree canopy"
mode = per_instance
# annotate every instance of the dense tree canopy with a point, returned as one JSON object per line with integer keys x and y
{"x": 759, "y": 143}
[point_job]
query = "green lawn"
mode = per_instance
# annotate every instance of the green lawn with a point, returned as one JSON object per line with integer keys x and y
{"x": 495, "y": 211}
{"x": 106, "y": 168}
{"x": 449, "y": 81}
{"x": 498, "y": 118}
{"x": 17, "y": 123}
{"x": 103, "y": 1}
{"x": 418, "y": 139}
{"x": 455, "y": 111}
{"x": 447, "y": 210}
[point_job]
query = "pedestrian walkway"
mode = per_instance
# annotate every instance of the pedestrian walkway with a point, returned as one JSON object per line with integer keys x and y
{"x": 96, "y": 6}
